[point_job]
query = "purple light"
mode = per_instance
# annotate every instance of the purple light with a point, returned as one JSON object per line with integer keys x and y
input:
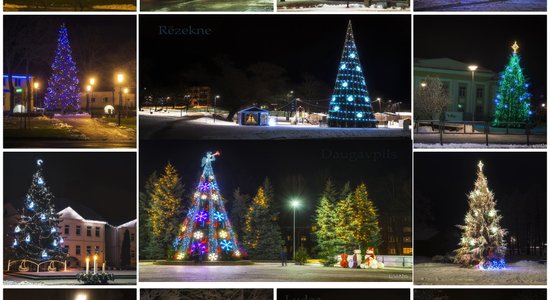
{"x": 200, "y": 246}
{"x": 204, "y": 187}
{"x": 201, "y": 216}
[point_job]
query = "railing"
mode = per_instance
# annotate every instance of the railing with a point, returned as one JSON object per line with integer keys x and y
{"x": 469, "y": 127}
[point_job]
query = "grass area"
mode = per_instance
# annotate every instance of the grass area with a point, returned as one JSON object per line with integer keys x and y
{"x": 40, "y": 128}
{"x": 128, "y": 122}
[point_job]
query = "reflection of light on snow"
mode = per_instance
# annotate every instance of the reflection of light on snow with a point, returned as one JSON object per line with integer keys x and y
{"x": 272, "y": 122}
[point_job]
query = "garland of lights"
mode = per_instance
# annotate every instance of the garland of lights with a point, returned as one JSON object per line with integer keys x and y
{"x": 207, "y": 229}
{"x": 350, "y": 105}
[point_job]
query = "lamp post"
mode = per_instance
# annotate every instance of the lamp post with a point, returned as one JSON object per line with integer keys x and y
{"x": 473, "y": 68}
{"x": 91, "y": 91}
{"x": 294, "y": 204}
{"x": 36, "y": 86}
{"x": 120, "y": 80}
{"x": 88, "y": 90}
{"x": 379, "y": 100}
{"x": 215, "y": 102}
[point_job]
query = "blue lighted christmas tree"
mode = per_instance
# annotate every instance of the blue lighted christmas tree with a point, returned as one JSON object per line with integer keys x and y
{"x": 512, "y": 102}
{"x": 350, "y": 105}
{"x": 207, "y": 231}
{"x": 63, "y": 92}
{"x": 37, "y": 236}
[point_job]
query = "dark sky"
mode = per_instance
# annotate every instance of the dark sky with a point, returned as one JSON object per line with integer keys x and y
{"x": 98, "y": 37}
{"x": 443, "y": 180}
{"x": 245, "y": 164}
{"x": 338, "y": 294}
{"x": 299, "y": 44}
{"x": 104, "y": 182}
{"x": 70, "y": 294}
{"x": 486, "y": 41}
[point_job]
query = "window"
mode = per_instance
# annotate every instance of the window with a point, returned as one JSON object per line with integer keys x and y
{"x": 407, "y": 250}
{"x": 88, "y": 250}
{"x": 96, "y": 249}
{"x": 105, "y": 99}
{"x": 67, "y": 229}
{"x": 392, "y": 251}
{"x": 17, "y": 82}
{"x": 479, "y": 93}
{"x": 132, "y": 237}
{"x": 67, "y": 249}
{"x": 303, "y": 238}
{"x": 97, "y": 231}
{"x": 77, "y": 250}
{"x": 77, "y": 229}
{"x": 88, "y": 230}
{"x": 462, "y": 91}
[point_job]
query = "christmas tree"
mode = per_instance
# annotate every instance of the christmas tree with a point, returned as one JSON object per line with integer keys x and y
{"x": 482, "y": 244}
{"x": 63, "y": 92}
{"x": 326, "y": 221}
{"x": 350, "y": 105}
{"x": 37, "y": 235}
{"x": 207, "y": 229}
{"x": 512, "y": 102}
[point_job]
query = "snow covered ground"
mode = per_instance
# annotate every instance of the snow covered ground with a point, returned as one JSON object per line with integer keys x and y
{"x": 477, "y": 146}
{"x": 353, "y": 7}
{"x": 480, "y": 5}
{"x": 518, "y": 273}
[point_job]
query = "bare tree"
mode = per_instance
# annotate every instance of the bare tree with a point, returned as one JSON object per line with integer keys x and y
{"x": 430, "y": 99}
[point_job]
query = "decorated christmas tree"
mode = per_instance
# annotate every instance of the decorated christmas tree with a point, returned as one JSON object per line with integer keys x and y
{"x": 512, "y": 102}
{"x": 482, "y": 244}
{"x": 350, "y": 105}
{"x": 63, "y": 92}
{"x": 37, "y": 235}
{"x": 207, "y": 231}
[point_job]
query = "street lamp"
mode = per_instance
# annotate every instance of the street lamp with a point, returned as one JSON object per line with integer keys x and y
{"x": 423, "y": 84}
{"x": 215, "y": 102}
{"x": 81, "y": 297}
{"x": 473, "y": 68}
{"x": 92, "y": 83}
{"x": 120, "y": 80}
{"x": 88, "y": 90}
{"x": 36, "y": 86}
{"x": 294, "y": 203}
{"x": 379, "y": 103}
{"x": 126, "y": 91}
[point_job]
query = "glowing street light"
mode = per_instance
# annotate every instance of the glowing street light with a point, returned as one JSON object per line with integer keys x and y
{"x": 36, "y": 87}
{"x": 120, "y": 80}
{"x": 423, "y": 84}
{"x": 473, "y": 68}
{"x": 379, "y": 103}
{"x": 294, "y": 203}
{"x": 81, "y": 296}
{"x": 215, "y": 102}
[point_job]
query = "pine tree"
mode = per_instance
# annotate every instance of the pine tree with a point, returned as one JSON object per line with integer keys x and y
{"x": 344, "y": 230}
{"x": 165, "y": 208}
{"x": 37, "y": 235}
{"x": 364, "y": 223}
{"x": 512, "y": 102}
{"x": 482, "y": 244}
{"x": 207, "y": 229}
{"x": 63, "y": 93}
{"x": 350, "y": 105}
{"x": 262, "y": 235}
{"x": 326, "y": 220}
{"x": 238, "y": 211}
{"x": 147, "y": 246}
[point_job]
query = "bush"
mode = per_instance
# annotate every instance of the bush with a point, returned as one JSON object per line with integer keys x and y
{"x": 301, "y": 256}
{"x": 329, "y": 261}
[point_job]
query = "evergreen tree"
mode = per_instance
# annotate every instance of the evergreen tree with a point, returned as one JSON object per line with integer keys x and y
{"x": 63, "y": 92}
{"x": 350, "y": 105}
{"x": 364, "y": 223}
{"x": 207, "y": 229}
{"x": 37, "y": 235}
{"x": 165, "y": 209}
{"x": 326, "y": 221}
{"x": 238, "y": 211}
{"x": 482, "y": 244}
{"x": 512, "y": 102}
{"x": 125, "y": 250}
{"x": 262, "y": 236}
{"x": 147, "y": 245}
{"x": 344, "y": 229}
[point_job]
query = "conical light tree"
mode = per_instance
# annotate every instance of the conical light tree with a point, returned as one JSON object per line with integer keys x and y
{"x": 207, "y": 230}
{"x": 350, "y": 105}
{"x": 482, "y": 244}
{"x": 63, "y": 92}
{"x": 37, "y": 236}
{"x": 512, "y": 102}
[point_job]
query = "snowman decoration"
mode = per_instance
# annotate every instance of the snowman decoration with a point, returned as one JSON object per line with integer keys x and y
{"x": 370, "y": 261}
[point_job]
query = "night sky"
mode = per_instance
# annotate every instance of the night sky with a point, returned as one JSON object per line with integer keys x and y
{"x": 98, "y": 42}
{"x": 299, "y": 44}
{"x": 443, "y": 180}
{"x": 486, "y": 41}
{"x": 103, "y": 182}
{"x": 70, "y": 294}
{"x": 245, "y": 164}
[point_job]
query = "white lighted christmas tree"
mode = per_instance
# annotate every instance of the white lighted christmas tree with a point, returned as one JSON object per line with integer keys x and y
{"x": 482, "y": 244}
{"x": 350, "y": 105}
{"x": 207, "y": 231}
{"x": 37, "y": 236}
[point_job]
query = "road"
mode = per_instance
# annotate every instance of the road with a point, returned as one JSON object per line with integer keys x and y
{"x": 207, "y": 5}
{"x": 480, "y": 5}
{"x": 262, "y": 272}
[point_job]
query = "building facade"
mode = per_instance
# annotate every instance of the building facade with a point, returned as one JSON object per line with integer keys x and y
{"x": 24, "y": 93}
{"x": 471, "y": 96}
{"x": 106, "y": 102}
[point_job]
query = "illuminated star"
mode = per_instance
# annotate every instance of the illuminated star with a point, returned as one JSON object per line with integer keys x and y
{"x": 515, "y": 47}
{"x": 480, "y": 166}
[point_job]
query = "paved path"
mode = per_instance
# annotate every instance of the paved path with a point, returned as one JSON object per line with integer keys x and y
{"x": 268, "y": 272}
{"x": 480, "y": 5}
{"x": 15, "y": 280}
{"x": 206, "y": 5}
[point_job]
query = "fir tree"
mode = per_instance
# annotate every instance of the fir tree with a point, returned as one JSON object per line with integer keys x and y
{"x": 238, "y": 211}
{"x": 364, "y": 223}
{"x": 344, "y": 229}
{"x": 63, "y": 92}
{"x": 37, "y": 235}
{"x": 207, "y": 230}
{"x": 512, "y": 102}
{"x": 482, "y": 244}
{"x": 148, "y": 248}
{"x": 262, "y": 235}
{"x": 326, "y": 221}
{"x": 165, "y": 208}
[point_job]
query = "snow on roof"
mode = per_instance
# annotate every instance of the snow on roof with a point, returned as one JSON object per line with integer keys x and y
{"x": 447, "y": 64}
{"x": 69, "y": 213}
{"x": 128, "y": 224}
{"x": 253, "y": 109}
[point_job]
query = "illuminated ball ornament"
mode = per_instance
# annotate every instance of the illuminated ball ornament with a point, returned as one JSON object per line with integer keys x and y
{"x": 359, "y": 115}
{"x": 336, "y": 108}
{"x": 15, "y": 243}
{"x": 212, "y": 257}
{"x": 54, "y": 243}
{"x": 28, "y": 238}
{"x": 350, "y": 98}
{"x": 40, "y": 181}
{"x": 53, "y": 230}
{"x": 17, "y": 229}
{"x": 344, "y": 84}
{"x": 42, "y": 217}
{"x": 31, "y": 205}
{"x": 198, "y": 235}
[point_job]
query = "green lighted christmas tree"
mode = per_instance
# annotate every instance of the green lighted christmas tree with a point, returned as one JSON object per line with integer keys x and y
{"x": 512, "y": 102}
{"x": 482, "y": 244}
{"x": 37, "y": 235}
